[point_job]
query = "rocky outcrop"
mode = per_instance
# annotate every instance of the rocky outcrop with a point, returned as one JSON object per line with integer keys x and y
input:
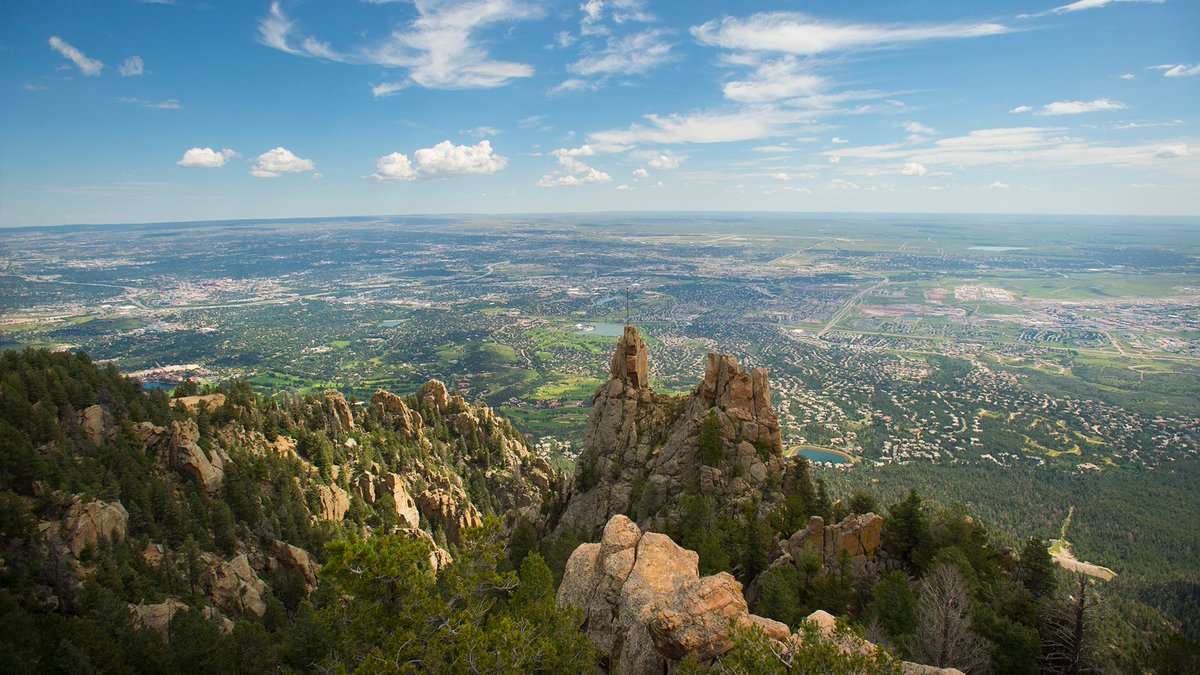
{"x": 438, "y": 556}
{"x": 641, "y": 450}
{"x": 339, "y": 409}
{"x": 193, "y": 403}
{"x": 446, "y": 505}
{"x": 332, "y": 503}
{"x": 393, "y": 409}
{"x": 396, "y": 487}
{"x": 233, "y": 586}
{"x": 435, "y": 395}
{"x": 645, "y": 604}
{"x": 96, "y": 426}
{"x": 178, "y": 448}
{"x": 157, "y": 617}
{"x": 87, "y": 523}
{"x": 295, "y": 561}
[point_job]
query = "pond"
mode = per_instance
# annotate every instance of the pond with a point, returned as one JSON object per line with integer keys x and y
{"x": 601, "y": 329}
{"x": 820, "y": 456}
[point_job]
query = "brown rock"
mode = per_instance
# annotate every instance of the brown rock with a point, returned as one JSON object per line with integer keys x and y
{"x": 438, "y": 556}
{"x": 435, "y": 395}
{"x": 646, "y": 605}
{"x": 296, "y": 561}
{"x": 340, "y": 409}
{"x": 406, "y": 508}
{"x": 448, "y": 506}
{"x": 88, "y": 523}
{"x": 91, "y": 420}
{"x": 157, "y": 617}
{"x": 233, "y": 586}
{"x": 334, "y": 503}
{"x": 630, "y": 362}
{"x": 193, "y": 403}
{"x": 178, "y": 449}
{"x": 393, "y": 408}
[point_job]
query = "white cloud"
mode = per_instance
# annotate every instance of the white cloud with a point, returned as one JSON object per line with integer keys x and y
{"x": 623, "y": 187}
{"x": 838, "y": 141}
{"x": 1128, "y": 76}
{"x": 571, "y": 171}
{"x": 205, "y": 158}
{"x": 997, "y": 185}
{"x": 443, "y": 160}
{"x": 89, "y": 67}
{"x": 795, "y": 33}
{"x": 387, "y": 88}
{"x": 919, "y": 129}
{"x": 1021, "y": 109}
{"x": 1180, "y": 70}
{"x": 630, "y": 55}
{"x": 700, "y": 127}
{"x": 640, "y": 173}
{"x": 914, "y": 169}
{"x": 274, "y": 163}
{"x": 1172, "y": 151}
{"x": 1077, "y": 107}
{"x": 842, "y": 184}
{"x": 395, "y": 166}
{"x": 169, "y": 104}
{"x": 439, "y": 48}
{"x": 482, "y": 130}
{"x": 1083, "y": 4}
{"x": 783, "y": 177}
{"x": 659, "y": 184}
{"x": 774, "y": 80}
{"x": 663, "y": 160}
{"x": 132, "y": 66}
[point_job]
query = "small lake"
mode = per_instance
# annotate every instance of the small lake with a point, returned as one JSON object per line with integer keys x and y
{"x": 603, "y": 329}
{"x": 1000, "y": 249}
{"x": 391, "y": 323}
{"x": 822, "y": 456}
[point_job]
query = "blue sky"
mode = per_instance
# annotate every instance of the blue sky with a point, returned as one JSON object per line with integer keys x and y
{"x": 167, "y": 111}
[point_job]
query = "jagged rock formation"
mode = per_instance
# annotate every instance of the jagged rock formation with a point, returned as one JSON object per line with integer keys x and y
{"x": 157, "y": 617}
{"x": 646, "y": 606}
{"x": 178, "y": 449}
{"x": 448, "y": 506}
{"x": 333, "y": 501}
{"x": 642, "y": 450}
{"x": 858, "y": 536}
{"x": 393, "y": 409}
{"x": 340, "y": 409}
{"x": 96, "y": 425}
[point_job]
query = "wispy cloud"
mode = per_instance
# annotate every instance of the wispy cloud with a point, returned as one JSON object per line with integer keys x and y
{"x": 700, "y": 127}
{"x": 132, "y": 66}
{"x": 439, "y": 49}
{"x": 87, "y": 66}
{"x": 1082, "y": 5}
{"x": 795, "y": 33}
{"x": 169, "y": 104}
{"x": 1077, "y": 107}
{"x": 1177, "y": 70}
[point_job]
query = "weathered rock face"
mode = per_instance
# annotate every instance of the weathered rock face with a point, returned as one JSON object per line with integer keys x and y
{"x": 857, "y": 536}
{"x": 96, "y": 428}
{"x": 339, "y": 409}
{"x": 435, "y": 395}
{"x": 646, "y": 605}
{"x": 157, "y": 617}
{"x": 296, "y": 560}
{"x": 333, "y": 503}
{"x": 394, "y": 409}
{"x": 447, "y": 505}
{"x": 641, "y": 449}
{"x": 178, "y": 448}
{"x": 233, "y": 586}
{"x": 630, "y": 361}
{"x": 438, "y": 556}
{"x": 87, "y": 523}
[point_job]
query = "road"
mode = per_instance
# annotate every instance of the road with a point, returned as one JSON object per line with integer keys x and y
{"x": 841, "y": 313}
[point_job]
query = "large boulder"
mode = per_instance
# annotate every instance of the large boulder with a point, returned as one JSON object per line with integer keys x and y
{"x": 233, "y": 586}
{"x": 448, "y": 506}
{"x": 178, "y": 448}
{"x": 87, "y": 523}
{"x": 157, "y": 617}
{"x": 406, "y": 507}
{"x": 435, "y": 395}
{"x": 96, "y": 428}
{"x": 646, "y": 605}
{"x": 296, "y": 561}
